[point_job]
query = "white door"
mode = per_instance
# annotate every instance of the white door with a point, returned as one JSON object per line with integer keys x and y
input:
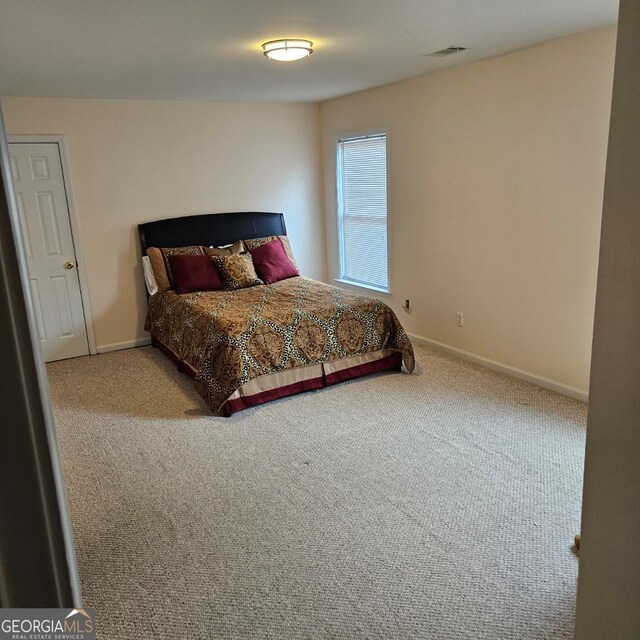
{"x": 48, "y": 243}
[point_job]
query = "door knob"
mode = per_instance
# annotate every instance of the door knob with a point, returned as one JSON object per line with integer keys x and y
{"x": 68, "y": 265}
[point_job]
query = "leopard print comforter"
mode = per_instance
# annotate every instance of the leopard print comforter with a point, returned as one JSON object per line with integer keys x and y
{"x": 231, "y": 337}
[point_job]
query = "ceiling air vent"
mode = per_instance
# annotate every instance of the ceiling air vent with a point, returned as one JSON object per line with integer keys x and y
{"x": 446, "y": 52}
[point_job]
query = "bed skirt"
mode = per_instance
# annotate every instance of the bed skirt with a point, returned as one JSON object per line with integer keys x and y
{"x": 292, "y": 381}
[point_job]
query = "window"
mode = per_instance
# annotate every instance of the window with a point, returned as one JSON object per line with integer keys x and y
{"x": 362, "y": 210}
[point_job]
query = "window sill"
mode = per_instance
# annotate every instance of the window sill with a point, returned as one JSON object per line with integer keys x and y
{"x": 368, "y": 287}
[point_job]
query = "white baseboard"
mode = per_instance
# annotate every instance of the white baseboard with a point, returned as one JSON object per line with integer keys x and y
{"x": 127, "y": 344}
{"x": 546, "y": 383}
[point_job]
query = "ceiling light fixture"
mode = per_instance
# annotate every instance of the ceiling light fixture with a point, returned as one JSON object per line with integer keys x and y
{"x": 288, "y": 49}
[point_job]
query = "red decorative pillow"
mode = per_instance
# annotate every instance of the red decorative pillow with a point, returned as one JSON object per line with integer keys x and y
{"x": 195, "y": 273}
{"x": 272, "y": 263}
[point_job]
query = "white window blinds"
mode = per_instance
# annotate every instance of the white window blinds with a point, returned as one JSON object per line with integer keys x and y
{"x": 362, "y": 210}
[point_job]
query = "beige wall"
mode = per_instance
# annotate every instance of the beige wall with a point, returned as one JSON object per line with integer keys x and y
{"x": 609, "y": 579}
{"x": 496, "y": 176}
{"x": 134, "y": 161}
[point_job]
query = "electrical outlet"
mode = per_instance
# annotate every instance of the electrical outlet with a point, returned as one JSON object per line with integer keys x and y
{"x": 460, "y": 318}
{"x": 407, "y": 305}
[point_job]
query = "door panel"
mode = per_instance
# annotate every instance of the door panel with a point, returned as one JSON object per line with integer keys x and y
{"x": 37, "y": 304}
{"x": 48, "y": 243}
{"x": 39, "y": 168}
{"x": 65, "y": 326}
{"x": 26, "y": 236}
{"x": 48, "y": 223}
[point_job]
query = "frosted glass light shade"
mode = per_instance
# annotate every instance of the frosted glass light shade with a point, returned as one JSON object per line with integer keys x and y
{"x": 287, "y": 50}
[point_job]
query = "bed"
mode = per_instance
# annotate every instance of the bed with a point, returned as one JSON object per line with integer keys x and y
{"x": 248, "y": 346}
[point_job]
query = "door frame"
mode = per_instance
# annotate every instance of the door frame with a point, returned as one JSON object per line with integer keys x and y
{"x": 73, "y": 221}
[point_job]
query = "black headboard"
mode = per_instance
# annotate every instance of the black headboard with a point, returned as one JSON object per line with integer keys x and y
{"x": 210, "y": 229}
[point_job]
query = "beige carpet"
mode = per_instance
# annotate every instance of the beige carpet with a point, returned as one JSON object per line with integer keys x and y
{"x": 439, "y": 505}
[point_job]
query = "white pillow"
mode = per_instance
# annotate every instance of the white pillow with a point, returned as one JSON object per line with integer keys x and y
{"x": 149, "y": 278}
{"x": 235, "y": 248}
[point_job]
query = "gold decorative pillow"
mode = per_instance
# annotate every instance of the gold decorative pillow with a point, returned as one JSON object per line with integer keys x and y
{"x": 237, "y": 272}
{"x": 234, "y": 249}
{"x": 161, "y": 265}
{"x": 257, "y": 242}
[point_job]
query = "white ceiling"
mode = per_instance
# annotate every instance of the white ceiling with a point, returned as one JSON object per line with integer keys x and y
{"x": 210, "y": 49}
